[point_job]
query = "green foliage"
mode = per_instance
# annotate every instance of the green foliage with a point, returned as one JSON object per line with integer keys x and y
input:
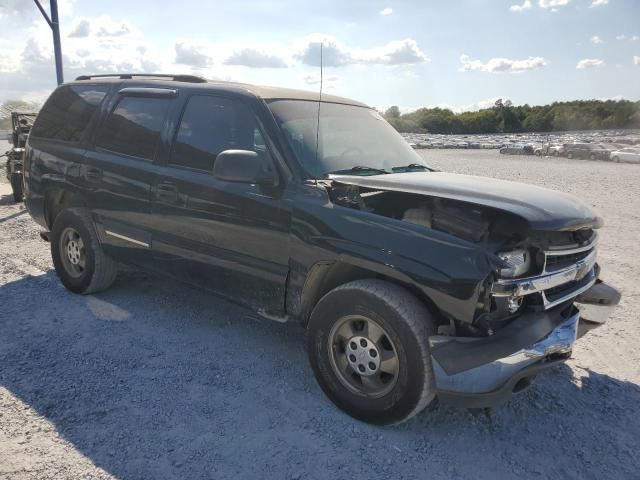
{"x": 503, "y": 117}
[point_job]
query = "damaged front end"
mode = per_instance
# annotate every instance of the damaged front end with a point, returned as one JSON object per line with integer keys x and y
{"x": 541, "y": 291}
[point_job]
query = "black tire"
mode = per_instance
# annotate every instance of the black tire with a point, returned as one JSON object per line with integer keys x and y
{"x": 408, "y": 324}
{"x": 16, "y": 186}
{"x": 592, "y": 157}
{"x": 99, "y": 271}
{"x": 570, "y": 155}
{"x": 556, "y": 153}
{"x": 616, "y": 159}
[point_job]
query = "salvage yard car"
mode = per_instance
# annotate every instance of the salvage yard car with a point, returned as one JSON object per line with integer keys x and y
{"x": 629, "y": 155}
{"x": 585, "y": 151}
{"x": 21, "y": 123}
{"x": 411, "y": 283}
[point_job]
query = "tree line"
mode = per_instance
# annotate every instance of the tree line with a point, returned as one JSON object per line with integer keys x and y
{"x": 504, "y": 117}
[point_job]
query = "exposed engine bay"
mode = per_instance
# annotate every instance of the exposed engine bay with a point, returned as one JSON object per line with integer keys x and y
{"x": 516, "y": 250}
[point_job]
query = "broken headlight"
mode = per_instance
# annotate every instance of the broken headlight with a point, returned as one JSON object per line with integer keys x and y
{"x": 517, "y": 263}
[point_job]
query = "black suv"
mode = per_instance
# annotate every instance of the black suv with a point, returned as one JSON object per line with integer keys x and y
{"x": 411, "y": 283}
{"x": 590, "y": 151}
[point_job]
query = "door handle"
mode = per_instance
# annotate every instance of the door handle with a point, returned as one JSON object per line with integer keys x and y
{"x": 167, "y": 192}
{"x": 93, "y": 174}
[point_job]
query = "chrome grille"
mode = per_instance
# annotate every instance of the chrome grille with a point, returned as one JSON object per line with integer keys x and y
{"x": 566, "y": 273}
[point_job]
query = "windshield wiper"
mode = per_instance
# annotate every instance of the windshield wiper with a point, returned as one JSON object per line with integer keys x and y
{"x": 360, "y": 168}
{"x": 412, "y": 167}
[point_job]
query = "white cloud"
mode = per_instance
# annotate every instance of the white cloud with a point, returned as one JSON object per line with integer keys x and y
{"x": 328, "y": 81}
{"x": 336, "y": 54}
{"x": 9, "y": 61}
{"x": 192, "y": 55}
{"x": 386, "y": 11}
{"x": 636, "y": 60}
{"x": 499, "y": 65}
{"x": 255, "y": 58}
{"x": 589, "y": 63}
{"x": 615, "y": 98}
{"x": 598, "y": 3}
{"x": 596, "y": 39}
{"x": 109, "y": 28}
{"x": 621, "y": 37}
{"x": 80, "y": 29}
{"x": 552, "y": 3}
{"x": 519, "y": 8}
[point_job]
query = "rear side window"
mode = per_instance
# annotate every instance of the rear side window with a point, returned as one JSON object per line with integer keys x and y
{"x": 133, "y": 126}
{"x": 67, "y": 113}
{"x": 211, "y": 125}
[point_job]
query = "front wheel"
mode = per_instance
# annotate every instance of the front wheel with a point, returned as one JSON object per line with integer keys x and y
{"x": 368, "y": 347}
{"x": 570, "y": 155}
{"x": 77, "y": 254}
{"x": 616, "y": 159}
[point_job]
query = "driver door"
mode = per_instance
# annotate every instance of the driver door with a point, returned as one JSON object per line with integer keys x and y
{"x": 228, "y": 237}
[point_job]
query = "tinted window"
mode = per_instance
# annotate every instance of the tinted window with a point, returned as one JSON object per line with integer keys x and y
{"x": 133, "y": 127}
{"x": 67, "y": 113}
{"x": 210, "y": 125}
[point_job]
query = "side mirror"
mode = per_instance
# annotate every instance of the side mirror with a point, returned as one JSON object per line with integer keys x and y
{"x": 244, "y": 166}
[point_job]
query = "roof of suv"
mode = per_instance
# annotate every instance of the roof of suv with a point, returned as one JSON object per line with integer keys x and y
{"x": 264, "y": 92}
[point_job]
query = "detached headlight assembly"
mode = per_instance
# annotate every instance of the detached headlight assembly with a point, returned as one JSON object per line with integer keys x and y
{"x": 518, "y": 262}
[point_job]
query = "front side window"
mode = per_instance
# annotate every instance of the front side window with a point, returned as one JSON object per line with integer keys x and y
{"x": 211, "y": 125}
{"x": 67, "y": 114}
{"x": 133, "y": 127}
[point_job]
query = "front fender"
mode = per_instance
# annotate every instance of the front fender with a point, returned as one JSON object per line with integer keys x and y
{"x": 448, "y": 270}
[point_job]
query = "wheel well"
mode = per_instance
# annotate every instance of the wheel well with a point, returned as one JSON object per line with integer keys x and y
{"x": 325, "y": 277}
{"x": 57, "y": 200}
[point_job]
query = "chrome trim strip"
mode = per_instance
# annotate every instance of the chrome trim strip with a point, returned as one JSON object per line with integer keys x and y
{"x": 574, "y": 293}
{"x": 128, "y": 239}
{"x": 526, "y": 286}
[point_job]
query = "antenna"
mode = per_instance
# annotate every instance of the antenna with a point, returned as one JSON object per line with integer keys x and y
{"x": 319, "y": 102}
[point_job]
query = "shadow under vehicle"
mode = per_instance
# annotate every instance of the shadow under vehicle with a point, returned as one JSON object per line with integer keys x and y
{"x": 411, "y": 283}
{"x": 21, "y": 123}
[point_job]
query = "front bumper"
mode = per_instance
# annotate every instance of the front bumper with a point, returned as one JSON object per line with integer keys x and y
{"x": 482, "y": 372}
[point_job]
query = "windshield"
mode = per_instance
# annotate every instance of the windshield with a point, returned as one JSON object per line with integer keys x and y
{"x": 353, "y": 140}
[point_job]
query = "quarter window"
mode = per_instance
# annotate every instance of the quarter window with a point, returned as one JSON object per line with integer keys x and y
{"x": 211, "y": 125}
{"x": 133, "y": 127}
{"x": 67, "y": 114}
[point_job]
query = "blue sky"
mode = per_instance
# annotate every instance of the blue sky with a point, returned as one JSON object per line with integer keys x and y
{"x": 458, "y": 53}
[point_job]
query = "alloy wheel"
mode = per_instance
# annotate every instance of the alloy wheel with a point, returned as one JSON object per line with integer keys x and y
{"x": 73, "y": 252}
{"x": 363, "y": 356}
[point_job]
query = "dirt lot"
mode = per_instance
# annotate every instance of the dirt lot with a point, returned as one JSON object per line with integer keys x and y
{"x": 153, "y": 380}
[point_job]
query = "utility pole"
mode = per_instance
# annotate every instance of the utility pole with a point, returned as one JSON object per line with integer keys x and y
{"x": 55, "y": 28}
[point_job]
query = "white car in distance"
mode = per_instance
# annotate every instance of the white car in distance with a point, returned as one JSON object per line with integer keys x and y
{"x": 627, "y": 155}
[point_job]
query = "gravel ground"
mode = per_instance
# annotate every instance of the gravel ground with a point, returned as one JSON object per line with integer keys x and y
{"x": 152, "y": 379}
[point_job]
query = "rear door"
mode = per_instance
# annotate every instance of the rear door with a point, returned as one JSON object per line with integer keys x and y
{"x": 228, "y": 237}
{"x": 120, "y": 171}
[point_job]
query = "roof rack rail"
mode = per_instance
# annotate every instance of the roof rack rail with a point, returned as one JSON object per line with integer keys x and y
{"x": 129, "y": 76}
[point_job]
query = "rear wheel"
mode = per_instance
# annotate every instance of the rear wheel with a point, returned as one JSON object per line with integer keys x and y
{"x": 616, "y": 159}
{"x": 77, "y": 254}
{"x": 592, "y": 157}
{"x": 16, "y": 186}
{"x": 570, "y": 155}
{"x": 368, "y": 347}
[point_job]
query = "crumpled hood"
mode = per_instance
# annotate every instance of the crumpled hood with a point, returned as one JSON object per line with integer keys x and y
{"x": 544, "y": 209}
